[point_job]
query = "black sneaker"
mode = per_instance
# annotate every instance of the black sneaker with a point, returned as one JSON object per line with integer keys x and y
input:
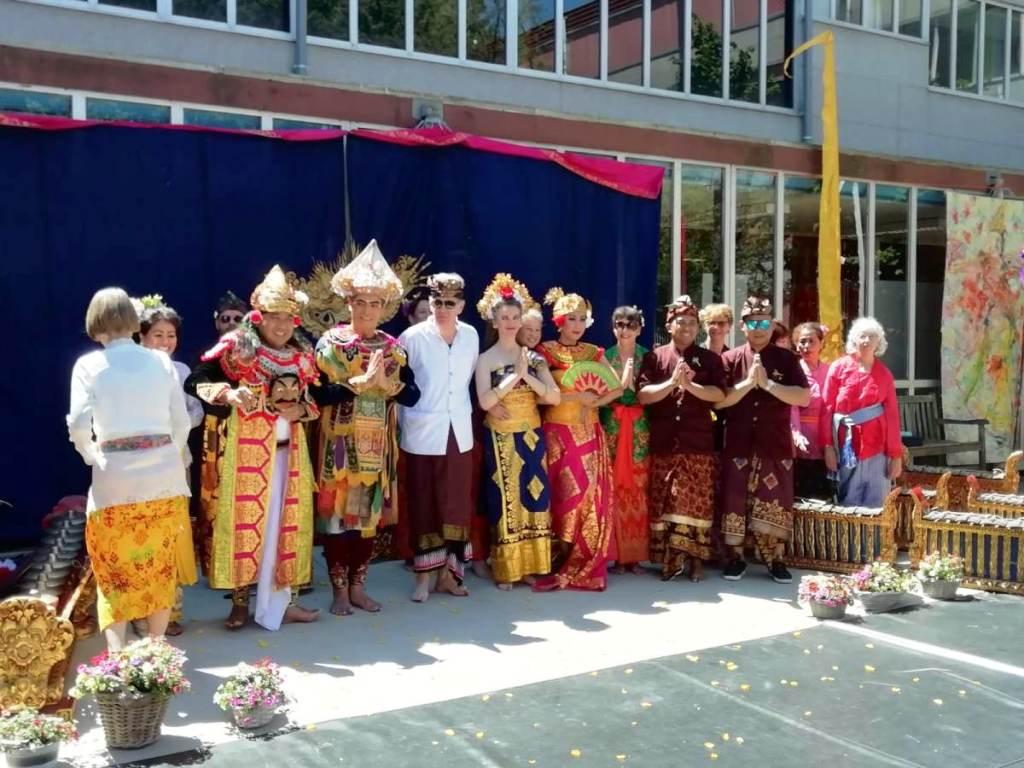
{"x": 734, "y": 571}
{"x": 779, "y": 573}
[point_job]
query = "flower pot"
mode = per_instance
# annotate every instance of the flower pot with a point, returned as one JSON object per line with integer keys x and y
{"x": 940, "y": 590}
{"x": 253, "y": 718}
{"x": 33, "y": 757}
{"x": 883, "y": 602}
{"x": 131, "y": 721}
{"x": 822, "y": 611}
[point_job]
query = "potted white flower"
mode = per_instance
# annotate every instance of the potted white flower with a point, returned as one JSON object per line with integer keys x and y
{"x": 881, "y": 587}
{"x": 28, "y": 738}
{"x": 252, "y": 694}
{"x": 828, "y": 596}
{"x": 940, "y": 575}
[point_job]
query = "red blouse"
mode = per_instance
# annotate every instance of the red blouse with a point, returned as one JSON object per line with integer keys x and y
{"x": 848, "y": 389}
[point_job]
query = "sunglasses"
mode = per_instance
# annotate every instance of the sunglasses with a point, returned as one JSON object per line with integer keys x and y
{"x": 446, "y": 303}
{"x": 627, "y": 324}
{"x": 757, "y": 325}
{"x": 230, "y": 318}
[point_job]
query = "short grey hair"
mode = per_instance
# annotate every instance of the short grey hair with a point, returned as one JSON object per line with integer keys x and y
{"x": 869, "y": 326}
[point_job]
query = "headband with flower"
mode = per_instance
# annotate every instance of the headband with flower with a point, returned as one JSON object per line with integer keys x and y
{"x": 503, "y": 289}
{"x": 563, "y": 303}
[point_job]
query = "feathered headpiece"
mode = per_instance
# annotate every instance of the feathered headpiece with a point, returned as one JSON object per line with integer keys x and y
{"x": 276, "y": 294}
{"x": 564, "y": 303}
{"x": 503, "y": 288}
{"x": 368, "y": 273}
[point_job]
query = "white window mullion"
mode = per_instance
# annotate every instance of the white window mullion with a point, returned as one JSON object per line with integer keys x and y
{"x": 780, "y": 224}
{"x": 177, "y": 114}
{"x": 603, "y": 41}
{"x": 163, "y": 9}
{"x": 647, "y": 45}
{"x": 266, "y": 123}
{"x": 979, "y": 52}
{"x": 726, "y": 34}
{"x": 511, "y": 33}
{"x": 729, "y": 246}
{"x": 410, "y": 25}
{"x": 895, "y": 16}
{"x": 463, "y": 21}
{"x": 762, "y": 62}
{"x": 831, "y": 8}
{"x": 559, "y": 37}
{"x": 78, "y": 106}
{"x": 232, "y": 13}
{"x": 353, "y": 20}
{"x": 926, "y": 19}
{"x": 867, "y": 266}
{"x": 953, "y": 31}
{"x": 687, "y": 45}
{"x": 1007, "y": 58}
{"x": 912, "y": 289}
{"x": 677, "y": 222}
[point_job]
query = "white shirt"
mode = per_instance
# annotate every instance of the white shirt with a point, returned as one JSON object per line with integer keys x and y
{"x": 193, "y": 405}
{"x": 443, "y": 374}
{"x": 127, "y": 391}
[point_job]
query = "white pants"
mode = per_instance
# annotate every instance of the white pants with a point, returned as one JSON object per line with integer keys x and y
{"x": 272, "y": 602}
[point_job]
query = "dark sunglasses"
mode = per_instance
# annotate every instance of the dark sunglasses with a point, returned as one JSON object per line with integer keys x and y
{"x": 627, "y": 324}
{"x": 757, "y": 325}
{"x": 446, "y": 303}
{"x": 230, "y": 318}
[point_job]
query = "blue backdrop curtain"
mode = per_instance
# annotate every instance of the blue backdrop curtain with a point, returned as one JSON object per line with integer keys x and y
{"x": 185, "y": 214}
{"x": 477, "y": 213}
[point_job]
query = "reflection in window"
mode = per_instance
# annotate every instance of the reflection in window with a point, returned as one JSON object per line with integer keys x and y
{"x": 995, "y": 51}
{"x": 265, "y": 14}
{"x": 853, "y": 228}
{"x": 940, "y": 53}
{"x": 582, "y": 52}
{"x": 382, "y": 22}
{"x": 701, "y": 233}
{"x": 967, "y": 46}
{"x": 668, "y": 31}
{"x": 485, "y": 30}
{"x": 780, "y": 42}
{"x": 537, "y": 34}
{"x": 139, "y": 5}
{"x": 437, "y": 27}
{"x": 664, "y": 288}
{"x": 931, "y": 267}
{"x": 287, "y": 124}
{"x": 851, "y": 11}
{"x": 34, "y": 102}
{"x": 800, "y": 251}
{"x": 328, "y": 18}
{"x": 110, "y": 109}
{"x": 1017, "y": 56}
{"x": 878, "y": 14}
{"x": 892, "y": 298}
{"x": 211, "y": 119}
{"x": 910, "y": 18}
{"x": 706, "y": 46}
{"x": 755, "y": 236}
{"x": 211, "y": 10}
{"x": 744, "y": 52}
{"x": 626, "y": 41}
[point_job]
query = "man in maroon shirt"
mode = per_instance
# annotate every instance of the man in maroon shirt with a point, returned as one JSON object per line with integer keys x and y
{"x": 765, "y": 382}
{"x": 679, "y": 382}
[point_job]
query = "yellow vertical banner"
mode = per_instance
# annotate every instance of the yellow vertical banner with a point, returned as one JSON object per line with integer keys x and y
{"x": 830, "y": 307}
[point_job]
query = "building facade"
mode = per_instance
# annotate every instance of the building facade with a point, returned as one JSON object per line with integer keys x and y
{"x": 931, "y": 99}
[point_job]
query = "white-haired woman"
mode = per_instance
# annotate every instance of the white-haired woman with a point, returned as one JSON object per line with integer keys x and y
{"x": 860, "y": 421}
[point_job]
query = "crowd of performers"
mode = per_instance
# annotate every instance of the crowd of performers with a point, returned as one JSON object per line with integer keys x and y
{"x": 549, "y": 461}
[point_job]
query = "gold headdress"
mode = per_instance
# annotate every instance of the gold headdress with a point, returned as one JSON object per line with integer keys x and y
{"x": 368, "y": 273}
{"x": 503, "y": 288}
{"x": 564, "y": 303}
{"x": 276, "y": 294}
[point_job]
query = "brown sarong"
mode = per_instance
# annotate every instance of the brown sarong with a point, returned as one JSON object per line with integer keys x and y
{"x": 682, "y": 507}
{"x": 757, "y": 499}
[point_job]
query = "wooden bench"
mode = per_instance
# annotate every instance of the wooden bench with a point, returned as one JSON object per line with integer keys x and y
{"x": 920, "y": 415}
{"x": 827, "y": 537}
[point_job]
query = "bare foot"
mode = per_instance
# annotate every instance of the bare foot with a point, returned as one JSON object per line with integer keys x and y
{"x": 447, "y": 583}
{"x": 504, "y": 586}
{"x": 481, "y": 569}
{"x": 636, "y": 569}
{"x": 174, "y": 629}
{"x": 529, "y": 580}
{"x": 296, "y": 614}
{"x": 696, "y": 570}
{"x": 238, "y": 617}
{"x": 362, "y": 600}
{"x": 341, "y": 605}
{"x": 422, "y": 590}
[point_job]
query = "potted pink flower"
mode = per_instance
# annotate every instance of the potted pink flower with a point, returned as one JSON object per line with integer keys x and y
{"x": 253, "y": 693}
{"x": 827, "y": 595}
{"x": 882, "y": 587}
{"x": 28, "y": 738}
{"x": 940, "y": 575}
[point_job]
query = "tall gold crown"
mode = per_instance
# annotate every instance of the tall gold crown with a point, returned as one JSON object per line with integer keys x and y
{"x": 277, "y": 294}
{"x": 501, "y": 289}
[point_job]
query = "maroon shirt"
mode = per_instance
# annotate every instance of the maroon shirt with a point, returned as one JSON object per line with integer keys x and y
{"x": 759, "y": 423}
{"x": 682, "y": 422}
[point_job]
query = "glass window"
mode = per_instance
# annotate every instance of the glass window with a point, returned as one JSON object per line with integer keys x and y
{"x": 892, "y": 299}
{"x": 664, "y": 289}
{"x": 626, "y": 41}
{"x": 706, "y": 49}
{"x": 327, "y": 18}
{"x": 287, "y": 124}
{"x": 485, "y": 30}
{"x": 995, "y": 51}
{"x": 35, "y": 102}
{"x": 211, "y": 119}
{"x": 853, "y": 229}
{"x": 265, "y": 14}
{"x": 940, "y": 53}
{"x": 780, "y": 43}
{"x": 755, "y": 236}
{"x": 744, "y": 52}
{"x": 437, "y": 27}
{"x": 967, "y": 46}
{"x": 139, "y": 5}
{"x": 700, "y": 234}
{"x": 800, "y": 251}
{"x": 850, "y": 10}
{"x": 382, "y": 22}
{"x": 1017, "y": 56}
{"x": 668, "y": 33}
{"x": 537, "y": 34}
{"x": 878, "y": 14}
{"x": 931, "y": 269}
{"x": 109, "y": 109}
{"x": 211, "y": 10}
{"x": 582, "y": 51}
{"x": 910, "y": 18}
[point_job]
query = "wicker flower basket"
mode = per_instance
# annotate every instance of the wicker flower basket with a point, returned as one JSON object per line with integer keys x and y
{"x": 940, "y": 590}
{"x": 33, "y": 757}
{"x": 131, "y": 722}
{"x": 253, "y": 718}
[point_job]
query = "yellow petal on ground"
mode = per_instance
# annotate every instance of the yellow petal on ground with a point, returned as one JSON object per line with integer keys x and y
{"x": 895, "y": 689}
{"x": 721, "y": 662}
{"x": 479, "y": 734}
{"x": 915, "y": 679}
{"x": 485, "y": 697}
{"x": 629, "y": 671}
{"x": 739, "y": 739}
{"x": 435, "y": 743}
{"x": 725, "y": 737}
{"x": 735, "y": 647}
{"x": 646, "y": 704}
{"x": 744, "y": 686}
{"x": 962, "y": 692}
{"x": 593, "y": 674}
{"x": 937, "y": 702}
{"x": 449, "y": 732}
{"x": 793, "y": 683}
{"x": 633, "y": 723}
{"x": 714, "y": 683}
{"x": 509, "y": 695}
{"x": 310, "y": 727}
{"x": 691, "y": 657}
{"x": 868, "y": 668}
{"x": 869, "y": 645}
{"x": 783, "y": 682}
{"x": 820, "y": 646}
{"x": 807, "y": 651}
{"x": 808, "y": 713}
{"x": 709, "y": 745}
{"x": 621, "y": 758}
{"x": 575, "y": 753}
{"x": 536, "y": 725}
{"x": 827, "y": 679}
{"x": 713, "y": 755}
{"x": 624, "y": 690}
{"x": 796, "y": 634}
{"x": 262, "y": 643}
{"x": 731, "y": 666}
{"x": 532, "y": 762}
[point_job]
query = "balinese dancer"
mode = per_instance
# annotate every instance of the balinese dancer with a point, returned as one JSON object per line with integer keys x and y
{"x": 679, "y": 382}
{"x": 257, "y": 475}
{"x": 625, "y": 425}
{"x": 511, "y": 381}
{"x": 765, "y": 381}
{"x": 581, "y": 489}
{"x": 357, "y": 466}
{"x": 128, "y": 421}
{"x": 437, "y": 439}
